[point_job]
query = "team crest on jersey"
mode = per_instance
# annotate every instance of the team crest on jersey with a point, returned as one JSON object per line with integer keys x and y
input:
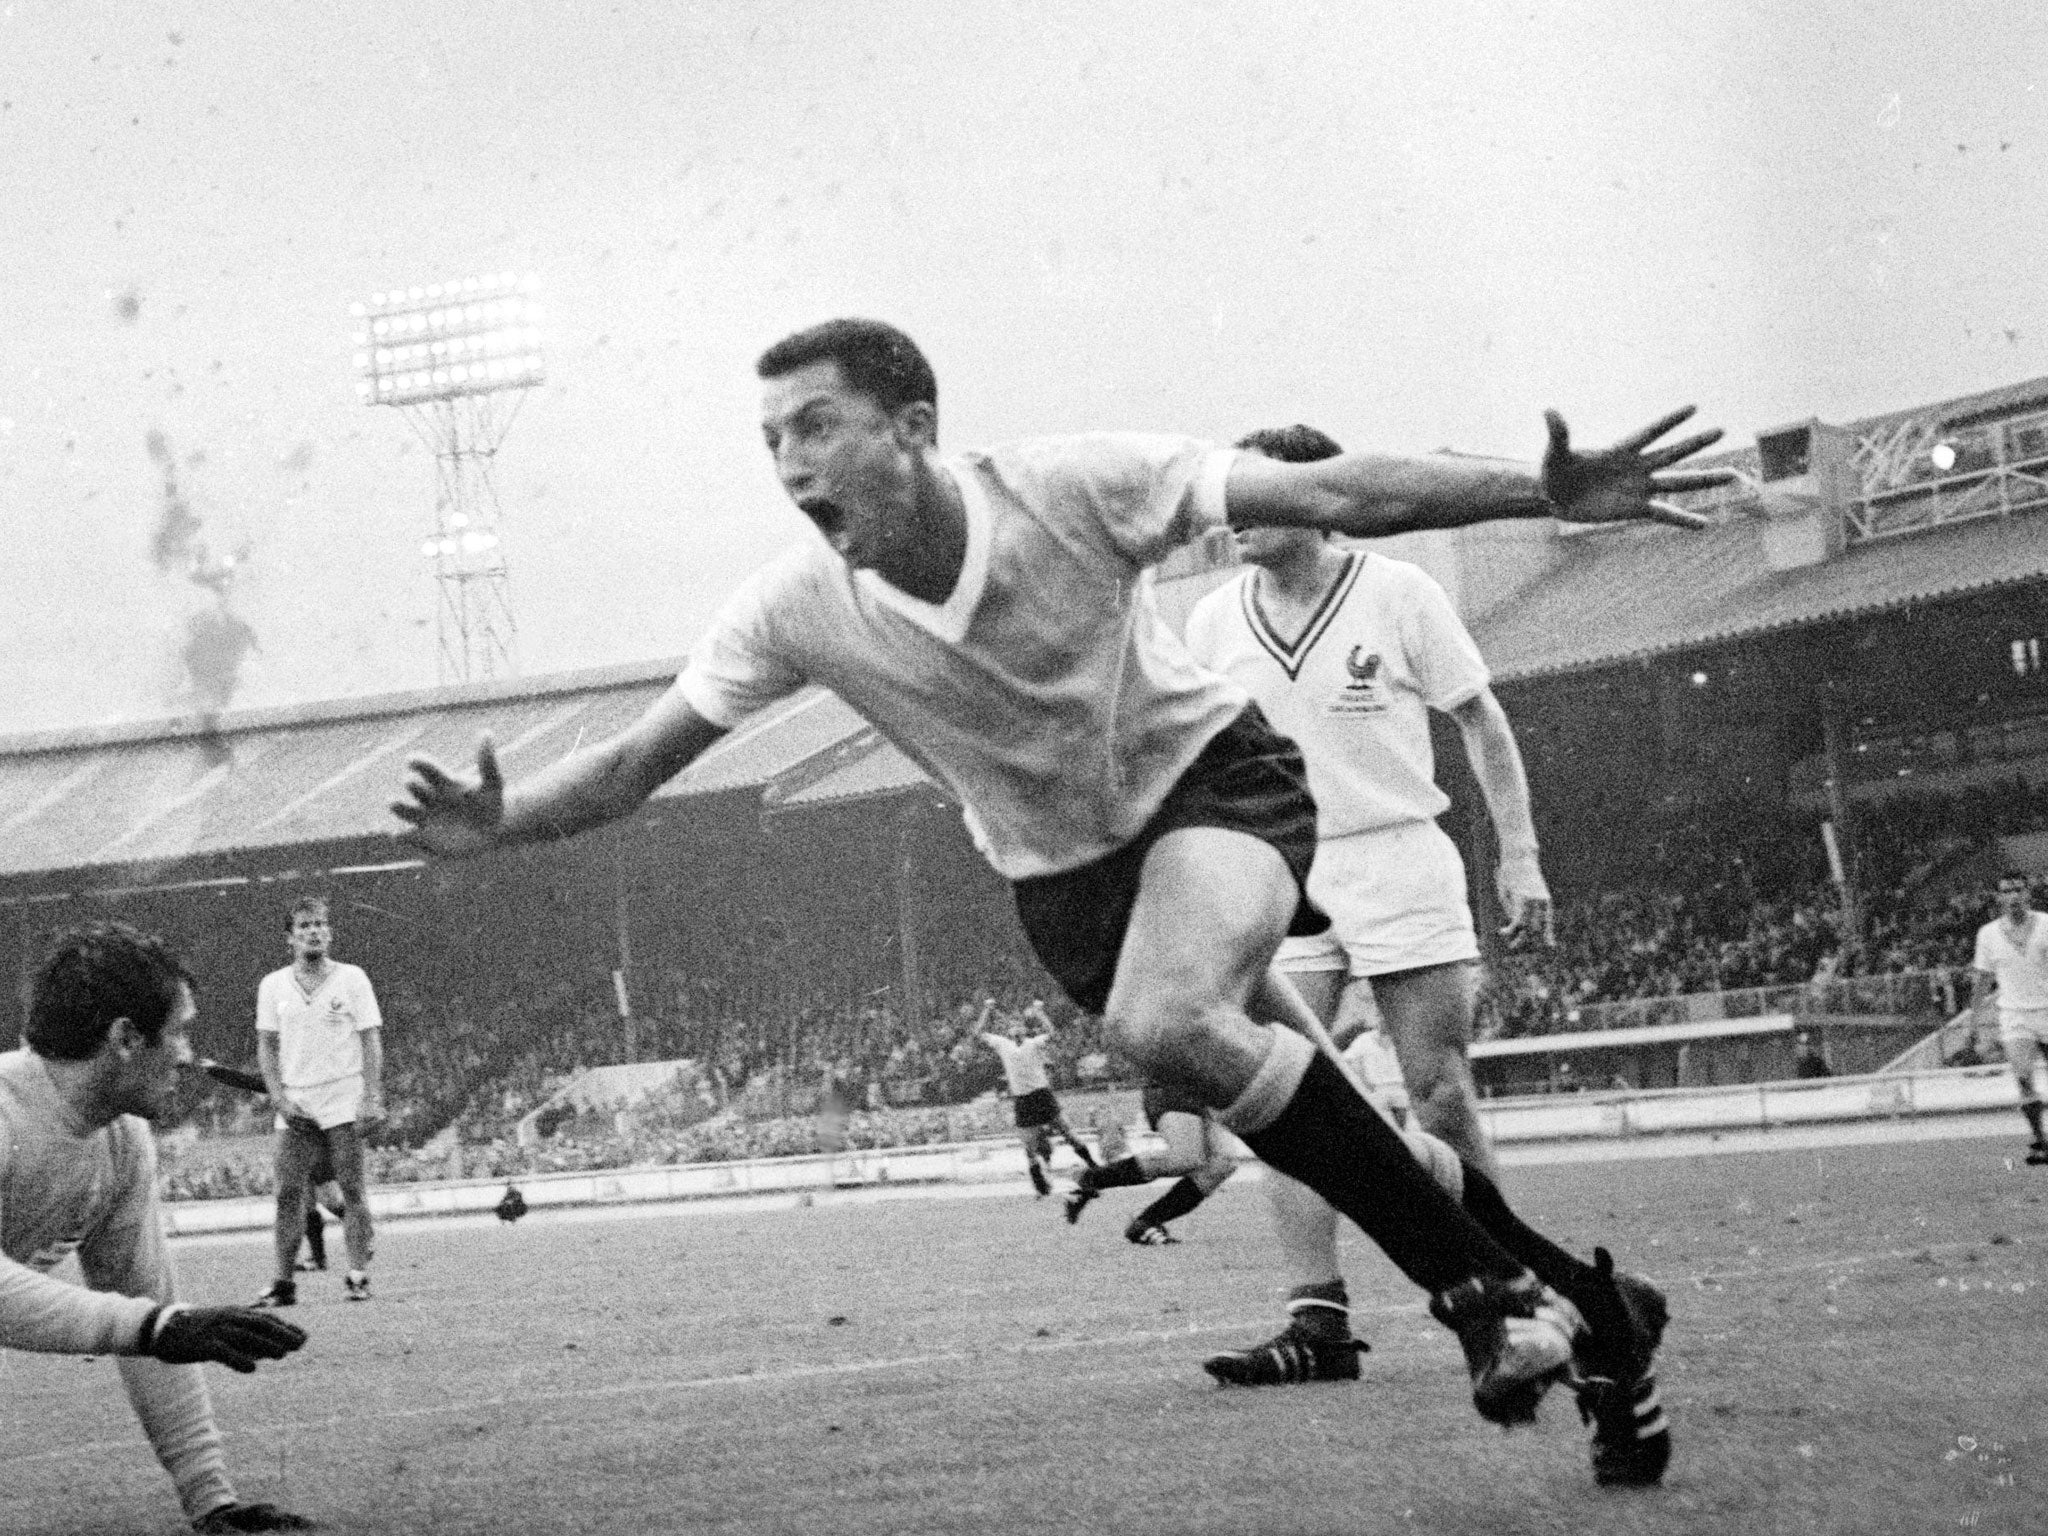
{"x": 1366, "y": 693}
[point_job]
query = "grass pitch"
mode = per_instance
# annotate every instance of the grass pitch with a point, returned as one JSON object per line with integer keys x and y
{"x": 1857, "y": 1345}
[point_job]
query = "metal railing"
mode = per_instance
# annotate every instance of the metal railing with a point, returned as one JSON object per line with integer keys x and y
{"x": 1904, "y": 992}
{"x": 1915, "y": 475}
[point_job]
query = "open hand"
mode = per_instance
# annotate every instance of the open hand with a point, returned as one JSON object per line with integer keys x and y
{"x": 450, "y": 816}
{"x": 236, "y": 1337}
{"x": 1618, "y": 484}
{"x": 1526, "y": 900}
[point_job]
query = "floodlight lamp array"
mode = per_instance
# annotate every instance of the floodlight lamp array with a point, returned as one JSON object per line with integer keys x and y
{"x": 474, "y": 336}
{"x": 446, "y": 546}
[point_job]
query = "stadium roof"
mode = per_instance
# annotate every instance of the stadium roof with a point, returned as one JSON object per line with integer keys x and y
{"x": 1630, "y": 593}
{"x": 883, "y": 770}
{"x": 154, "y": 794}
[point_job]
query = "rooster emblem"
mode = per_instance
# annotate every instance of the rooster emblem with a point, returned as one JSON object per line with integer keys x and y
{"x": 1362, "y": 669}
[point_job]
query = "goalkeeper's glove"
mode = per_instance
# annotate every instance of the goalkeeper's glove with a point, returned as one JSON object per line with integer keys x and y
{"x": 236, "y": 1337}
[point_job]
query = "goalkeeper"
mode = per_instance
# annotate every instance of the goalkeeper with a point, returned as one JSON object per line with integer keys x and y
{"x": 105, "y": 1048}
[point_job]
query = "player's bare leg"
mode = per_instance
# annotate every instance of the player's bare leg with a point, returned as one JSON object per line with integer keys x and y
{"x": 1067, "y": 1135}
{"x": 1428, "y": 1015}
{"x": 326, "y": 1196}
{"x": 1195, "y": 1159}
{"x": 1211, "y": 909}
{"x": 1037, "y": 1157}
{"x": 1317, "y": 1343}
{"x": 347, "y": 1149}
{"x": 298, "y": 1148}
{"x": 1191, "y": 1157}
{"x": 1625, "y": 1315}
{"x": 2023, "y": 1054}
{"x": 316, "y": 1238}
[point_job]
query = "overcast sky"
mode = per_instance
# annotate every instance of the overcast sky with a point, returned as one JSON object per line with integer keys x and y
{"x": 1414, "y": 225}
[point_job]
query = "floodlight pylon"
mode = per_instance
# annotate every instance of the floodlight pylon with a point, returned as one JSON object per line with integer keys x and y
{"x": 457, "y": 360}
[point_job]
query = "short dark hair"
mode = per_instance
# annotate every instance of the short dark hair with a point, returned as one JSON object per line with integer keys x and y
{"x": 95, "y": 975}
{"x": 877, "y": 359}
{"x": 307, "y": 904}
{"x": 1297, "y": 444}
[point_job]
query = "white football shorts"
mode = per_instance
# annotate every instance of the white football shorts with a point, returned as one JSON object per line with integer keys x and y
{"x": 1396, "y": 900}
{"x": 2023, "y": 1032}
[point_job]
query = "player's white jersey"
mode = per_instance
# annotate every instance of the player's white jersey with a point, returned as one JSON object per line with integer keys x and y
{"x": 1046, "y": 692}
{"x": 1023, "y": 1063}
{"x": 1354, "y": 687}
{"x": 2022, "y": 968}
{"x": 319, "y": 1034}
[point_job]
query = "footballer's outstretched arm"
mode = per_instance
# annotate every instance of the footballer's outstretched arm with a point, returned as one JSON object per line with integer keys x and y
{"x": 1372, "y": 495}
{"x": 453, "y": 816}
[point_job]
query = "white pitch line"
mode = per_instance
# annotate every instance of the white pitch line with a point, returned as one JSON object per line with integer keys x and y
{"x": 912, "y": 1362}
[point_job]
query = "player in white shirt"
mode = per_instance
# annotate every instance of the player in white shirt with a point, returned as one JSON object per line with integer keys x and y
{"x": 988, "y": 614}
{"x": 108, "y": 1021}
{"x": 1347, "y": 652}
{"x": 319, "y": 1041}
{"x": 1036, "y": 1107}
{"x": 2011, "y": 963}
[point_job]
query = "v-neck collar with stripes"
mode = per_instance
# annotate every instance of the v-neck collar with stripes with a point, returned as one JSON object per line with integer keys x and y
{"x": 948, "y": 618}
{"x": 325, "y": 977}
{"x": 1291, "y": 654}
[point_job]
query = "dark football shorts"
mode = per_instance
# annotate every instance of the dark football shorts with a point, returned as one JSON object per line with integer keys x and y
{"x": 1249, "y": 779}
{"x": 1036, "y": 1108}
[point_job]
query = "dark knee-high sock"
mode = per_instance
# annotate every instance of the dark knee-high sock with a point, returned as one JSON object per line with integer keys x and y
{"x": 1125, "y": 1170}
{"x": 2031, "y": 1108}
{"x": 1551, "y": 1264}
{"x": 316, "y": 1233}
{"x": 1183, "y": 1197}
{"x": 1337, "y": 1144}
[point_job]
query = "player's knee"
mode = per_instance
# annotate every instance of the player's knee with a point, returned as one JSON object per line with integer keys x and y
{"x": 1157, "y": 1033}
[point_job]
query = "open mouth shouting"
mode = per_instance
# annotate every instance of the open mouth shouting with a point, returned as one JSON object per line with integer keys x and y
{"x": 831, "y": 519}
{"x": 827, "y": 515}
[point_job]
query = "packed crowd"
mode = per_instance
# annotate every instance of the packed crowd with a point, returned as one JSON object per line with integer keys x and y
{"x": 653, "y": 1134}
{"x": 1761, "y": 911}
